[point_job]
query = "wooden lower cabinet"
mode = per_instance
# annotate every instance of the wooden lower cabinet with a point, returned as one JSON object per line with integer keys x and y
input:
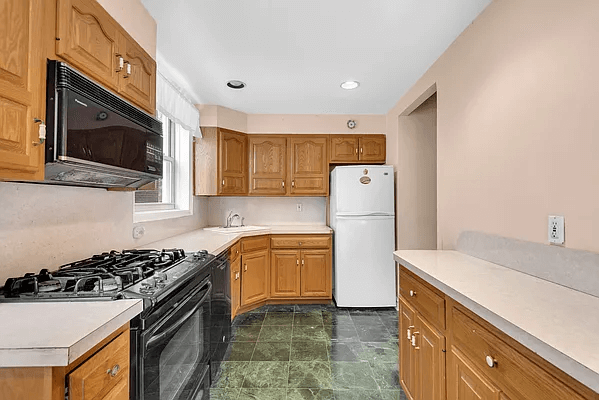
{"x": 285, "y": 273}
{"x": 102, "y": 373}
{"x": 316, "y": 273}
{"x": 482, "y": 362}
{"x": 235, "y": 286}
{"x": 422, "y": 356}
{"x": 465, "y": 382}
{"x": 254, "y": 277}
{"x": 407, "y": 363}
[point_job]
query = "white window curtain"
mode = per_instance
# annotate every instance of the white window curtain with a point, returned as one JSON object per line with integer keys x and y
{"x": 171, "y": 101}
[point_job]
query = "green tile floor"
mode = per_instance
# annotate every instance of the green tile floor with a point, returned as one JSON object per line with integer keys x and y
{"x": 311, "y": 352}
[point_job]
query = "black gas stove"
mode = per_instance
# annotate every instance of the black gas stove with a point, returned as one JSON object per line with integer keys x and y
{"x": 110, "y": 275}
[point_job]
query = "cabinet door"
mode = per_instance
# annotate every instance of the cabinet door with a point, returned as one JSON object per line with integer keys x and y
{"x": 87, "y": 37}
{"x": 430, "y": 362}
{"x": 268, "y": 161}
{"x": 235, "y": 286}
{"x": 285, "y": 273}
{"x": 373, "y": 148}
{"x": 465, "y": 382}
{"x": 309, "y": 166}
{"x": 407, "y": 363}
{"x": 139, "y": 84}
{"x": 316, "y": 273}
{"x": 254, "y": 277}
{"x": 344, "y": 148}
{"x": 22, "y": 88}
{"x": 232, "y": 162}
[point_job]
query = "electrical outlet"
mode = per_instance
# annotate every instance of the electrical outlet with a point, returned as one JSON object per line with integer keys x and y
{"x": 298, "y": 207}
{"x": 555, "y": 229}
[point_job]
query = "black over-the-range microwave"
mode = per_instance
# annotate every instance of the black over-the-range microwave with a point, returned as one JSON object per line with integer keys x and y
{"x": 94, "y": 138}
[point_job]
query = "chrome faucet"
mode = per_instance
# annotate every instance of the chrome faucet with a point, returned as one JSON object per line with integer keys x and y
{"x": 230, "y": 219}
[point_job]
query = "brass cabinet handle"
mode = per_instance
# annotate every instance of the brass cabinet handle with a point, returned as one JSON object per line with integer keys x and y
{"x": 361, "y": 150}
{"x": 223, "y": 183}
{"x": 245, "y": 267}
{"x": 115, "y": 370}
{"x": 283, "y": 183}
{"x": 297, "y": 261}
{"x": 414, "y": 341}
{"x": 356, "y": 150}
{"x": 410, "y": 331}
{"x": 412, "y": 293}
{"x": 41, "y": 131}
{"x": 293, "y": 183}
{"x": 302, "y": 262}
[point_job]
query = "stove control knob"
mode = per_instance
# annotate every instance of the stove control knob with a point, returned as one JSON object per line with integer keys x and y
{"x": 203, "y": 252}
{"x": 160, "y": 277}
{"x": 149, "y": 283}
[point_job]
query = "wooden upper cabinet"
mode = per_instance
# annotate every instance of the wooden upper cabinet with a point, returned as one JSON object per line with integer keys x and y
{"x": 285, "y": 273}
{"x": 369, "y": 149}
{"x": 373, "y": 148}
{"x": 87, "y": 37}
{"x": 268, "y": 165}
{"x": 22, "y": 89}
{"x": 344, "y": 148}
{"x": 309, "y": 166}
{"x": 316, "y": 273}
{"x": 465, "y": 382}
{"x": 138, "y": 85}
{"x": 232, "y": 162}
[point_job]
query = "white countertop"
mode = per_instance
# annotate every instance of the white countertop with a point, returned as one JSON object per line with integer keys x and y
{"x": 216, "y": 242}
{"x": 558, "y": 323}
{"x": 49, "y": 334}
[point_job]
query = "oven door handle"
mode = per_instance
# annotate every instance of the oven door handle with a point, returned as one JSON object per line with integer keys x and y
{"x": 181, "y": 321}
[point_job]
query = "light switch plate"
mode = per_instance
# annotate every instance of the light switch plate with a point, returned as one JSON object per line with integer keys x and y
{"x": 555, "y": 229}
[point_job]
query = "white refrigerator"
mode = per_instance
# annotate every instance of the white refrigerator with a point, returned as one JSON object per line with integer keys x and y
{"x": 362, "y": 215}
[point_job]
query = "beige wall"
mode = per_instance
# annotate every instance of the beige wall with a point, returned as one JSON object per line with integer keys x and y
{"x": 137, "y": 21}
{"x": 45, "y": 226}
{"x": 518, "y": 135}
{"x": 211, "y": 115}
{"x": 416, "y": 177}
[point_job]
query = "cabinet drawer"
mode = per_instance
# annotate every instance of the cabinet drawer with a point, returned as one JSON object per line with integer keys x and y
{"x": 234, "y": 251}
{"x": 308, "y": 242}
{"x": 94, "y": 377}
{"x": 518, "y": 376}
{"x": 427, "y": 302}
{"x": 254, "y": 243}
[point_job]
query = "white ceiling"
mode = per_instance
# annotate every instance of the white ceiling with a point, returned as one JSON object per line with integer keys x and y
{"x": 294, "y": 54}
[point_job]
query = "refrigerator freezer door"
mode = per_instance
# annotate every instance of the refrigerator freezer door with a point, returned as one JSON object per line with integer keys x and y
{"x": 364, "y": 269}
{"x": 360, "y": 193}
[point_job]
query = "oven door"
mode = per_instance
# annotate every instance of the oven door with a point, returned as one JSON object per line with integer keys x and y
{"x": 175, "y": 351}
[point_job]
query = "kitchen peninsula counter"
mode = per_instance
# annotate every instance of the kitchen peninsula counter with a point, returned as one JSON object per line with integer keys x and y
{"x": 56, "y": 333}
{"x": 557, "y": 323}
{"x": 215, "y": 242}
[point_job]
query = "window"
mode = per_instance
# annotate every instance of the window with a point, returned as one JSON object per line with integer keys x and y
{"x": 170, "y": 196}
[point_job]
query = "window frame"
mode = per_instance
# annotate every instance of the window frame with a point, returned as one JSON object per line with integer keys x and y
{"x": 180, "y": 155}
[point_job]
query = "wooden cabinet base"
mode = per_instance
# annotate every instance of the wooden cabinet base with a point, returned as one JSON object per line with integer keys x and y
{"x": 298, "y": 300}
{"x": 48, "y": 383}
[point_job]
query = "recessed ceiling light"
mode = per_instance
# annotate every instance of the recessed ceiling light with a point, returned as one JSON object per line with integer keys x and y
{"x": 236, "y": 84}
{"x": 349, "y": 85}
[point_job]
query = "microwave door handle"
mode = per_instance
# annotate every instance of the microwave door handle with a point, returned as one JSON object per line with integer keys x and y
{"x": 181, "y": 321}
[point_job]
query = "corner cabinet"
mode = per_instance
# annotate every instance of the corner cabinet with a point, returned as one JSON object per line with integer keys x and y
{"x": 22, "y": 89}
{"x": 445, "y": 347}
{"x": 88, "y": 38}
{"x": 220, "y": 163}
{"x": 348, "y": 149}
